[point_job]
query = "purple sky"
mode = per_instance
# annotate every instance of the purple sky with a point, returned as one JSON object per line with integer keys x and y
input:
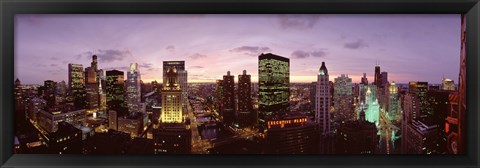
{"x": 408, "y": 47}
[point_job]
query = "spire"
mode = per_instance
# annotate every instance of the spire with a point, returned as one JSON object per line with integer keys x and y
{"x": 323, "y": 69}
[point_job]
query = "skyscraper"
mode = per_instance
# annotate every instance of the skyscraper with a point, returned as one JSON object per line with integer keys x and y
{"x": 115, "y": 92}
{"x": 171, "y": 98}
{"x": 383, "y": 79}
{"x": 182, "y": 77}
{"x": 76, "y": 85}
{"x": 343, "y": 98}
{"x": 377, "y": 76}
{"x": 245, "y": 110}
{"x": 420, "y": 90}
{"x": 92, "y": 88}
{"x": 274, "y": 85}
{"x": 133, "y": 98}
{"x": 322, "y": 109}
{"x": 219, "y": 96}
{"x": 49, "y": 94}
{"x": 364, "y": 79}
{"x": 229, "y": 104}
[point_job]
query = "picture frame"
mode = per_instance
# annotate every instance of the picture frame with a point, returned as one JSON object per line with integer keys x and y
{"x": 8, "y": 8}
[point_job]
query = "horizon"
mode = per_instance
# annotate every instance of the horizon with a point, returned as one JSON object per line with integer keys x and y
{"x": 408, "y": 47}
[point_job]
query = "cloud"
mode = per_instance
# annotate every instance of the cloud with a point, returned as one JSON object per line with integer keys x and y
{"x": 170, "y": 48}
{"x": 106, "y": 56}
{"x": 300, "y": 54}
{"x": 298, "y": 22}
{"x": 197, "y": 56}
{"x": 251, "y": 50}
{"x": 356, "y": 44}
{"x": 197, "y": 67}
{"x": 145, "y": 65}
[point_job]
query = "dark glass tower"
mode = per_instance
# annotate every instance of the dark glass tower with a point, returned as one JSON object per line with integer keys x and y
{"x": 378, "y": 76}
{"x": 228, "y": 92}
{"x": 274, "y": 82}
{"x": 245, "y": 100}
{"x": 115, "y": 92}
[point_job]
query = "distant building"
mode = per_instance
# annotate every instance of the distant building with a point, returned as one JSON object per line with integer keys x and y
{"x": 292, "y": 135}
{"x": 384, "y": 79}
{"x": 76, "y": 84}
{"x": 343, "y": 97}
{"x": 49, "y": 94}
{"x": 448, "y": 84}
{"x": 274, "y": 85}
{"x": 364, "y": 79}
{"x": 377, "y": 77}
{"x": 219, "y": 96}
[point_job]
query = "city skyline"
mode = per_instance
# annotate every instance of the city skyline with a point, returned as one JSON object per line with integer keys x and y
{"x": 211, "y": 45}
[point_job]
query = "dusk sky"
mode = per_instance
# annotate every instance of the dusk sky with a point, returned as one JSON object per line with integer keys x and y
{"x": 408, "y": 47}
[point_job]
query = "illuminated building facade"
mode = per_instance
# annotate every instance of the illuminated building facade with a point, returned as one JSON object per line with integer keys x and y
{"x": 219, "y": 96}
{"x": 115, "y": 92}
{"x": 76, "y": 84}
{"x": 343, "y": 97}
{"x": 132, "y": 123}
{"x": 394, "y": 108}
{"x": 133, "y": 98}
{"x": 228, "y": 111}
{"x": 49, "y": 93}
{"x": 292, "y": 135}
{"x": 370, "y": 106}
{"x": 182, "y": 78}
{"x": 274, "y": 85}
{"x": 448, "y": 84}
{"x": 48, "y": 119}
{"x": 171, "y": 98}
{"x": 420, "y": 89}
{"x": 323, "y": 101}
{"x": 245, "y": 111}
{"x": 92, "y": 89}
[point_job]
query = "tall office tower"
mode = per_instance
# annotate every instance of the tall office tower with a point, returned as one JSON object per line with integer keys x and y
{"x": 448, "y": 84}
{"x": 182, "y": 77}
{"x": 364, "y": 79}
{"x": 245, "y": 111}
{"x": 377, "y": 76}
{"x": 410, "y": 112}
{"x": 323, "y": 99}
{"x": 384, "y": 79}
{"x": 91, "y": 85}
{"x": 462, "y": 103}
{"x": 420, "y": 89}
{"x": 174, "y": 134}
{"x": 343, "y": 97}
{"x": 115, "y": 92}
{"x": 49, "y": 94}
{"x": 274, "y": 86}
{"x": 133, "y": 98}
{"x": 61, "y": 89}
{"x": 229, "y": 104}
{"x": 394, "y": 108}
{"x": 76, "y": 85}
{"x": 171, "y": 98}
{"x": 219, "y": 96}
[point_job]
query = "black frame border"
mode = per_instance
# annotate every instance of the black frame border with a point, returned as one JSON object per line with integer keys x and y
{"x": 8, "y": 8}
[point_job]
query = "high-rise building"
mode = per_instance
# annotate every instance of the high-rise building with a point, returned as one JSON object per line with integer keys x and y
{"x": 245, "y": 108}
{"x": 133, "y": 98}
{"x": 228, "y": 112}
{"x": 342, "y": 95}
{"x": 219, "y": 96}
{"x": 420, "y": 89}
{"x": 364, "y": 79}
{"x": 394, "y": 108}
{"x": 422, "y": 138}
{"x": 49, "y": 94}
{"x": 115, "y": 92}
{"x": 92, "y": 89}
{"x": 313, "y": 94}
{"x": 174, "y": 134}
{"x": 171, "y": 98}
{"x": 323, "y": 101}
{"x": 448, "y": 84}
{"x": 182, "y": 78}
{"x": 274, "y": 86}
{"x": 76, "y": 85}
{"x": 384, "y": 79}
{"x": 378, "y": 76}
